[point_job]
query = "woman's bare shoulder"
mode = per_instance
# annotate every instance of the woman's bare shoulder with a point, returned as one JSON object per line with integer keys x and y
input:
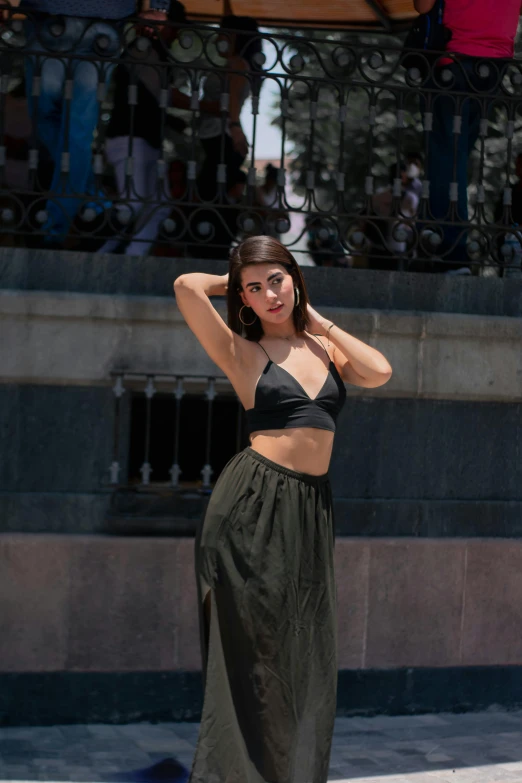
{"x": 252, "y": 351}
{"x": 244, "y": 374}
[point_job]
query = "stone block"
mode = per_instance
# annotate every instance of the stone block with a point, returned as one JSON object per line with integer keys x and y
{"x": 415, "y": 603}
{"x": 487, "y": 368}
{"x": 123, "y": 605}
{"x": 402, "y": 352}
{"x": 492, "y": 626}
{"x": 34, "y": 585}
{"x": 61, "y": 438}
{"x": 437, "y": 449}
{"x": 189, "y": 651}
{"x": 352, "y": 557}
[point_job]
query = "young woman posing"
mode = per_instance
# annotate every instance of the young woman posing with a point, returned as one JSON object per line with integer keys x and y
{"x": 264, "y": 554}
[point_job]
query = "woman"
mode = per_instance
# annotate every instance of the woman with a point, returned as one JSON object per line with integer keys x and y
{"x": 264, "y": 555}
{"x": 225, "y": 142}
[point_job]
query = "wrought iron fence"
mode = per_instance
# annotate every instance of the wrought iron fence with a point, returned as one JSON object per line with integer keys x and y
{"x": 140, "y": 141}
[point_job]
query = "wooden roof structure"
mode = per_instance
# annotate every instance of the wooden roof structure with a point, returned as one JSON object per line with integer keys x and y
{"x": 384, "y": 15}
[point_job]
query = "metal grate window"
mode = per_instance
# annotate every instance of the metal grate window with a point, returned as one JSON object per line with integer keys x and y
{"x": 182, "y": 430}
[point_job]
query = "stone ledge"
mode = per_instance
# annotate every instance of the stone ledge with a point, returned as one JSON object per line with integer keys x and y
{"x": 79, "y": 339}
{"x": 46, "y": 270}
{"x": 119, "y": 307}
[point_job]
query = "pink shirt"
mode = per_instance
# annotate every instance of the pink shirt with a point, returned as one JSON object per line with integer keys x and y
{"x": 482, "y": 28}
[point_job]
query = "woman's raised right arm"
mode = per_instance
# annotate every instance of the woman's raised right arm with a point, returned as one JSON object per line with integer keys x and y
{"x": 192, "y": 291}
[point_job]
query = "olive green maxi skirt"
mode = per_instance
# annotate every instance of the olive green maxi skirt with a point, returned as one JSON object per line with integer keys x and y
{"x": 264, "y": 565}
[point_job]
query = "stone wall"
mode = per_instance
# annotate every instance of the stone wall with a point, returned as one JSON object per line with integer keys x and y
{"x": 434, "y": 452}
{"x": 77, "y": 339}
{"x": 425, "y": 475}
{"x": 83, "y": 606}
{"x": 107, "y": 604}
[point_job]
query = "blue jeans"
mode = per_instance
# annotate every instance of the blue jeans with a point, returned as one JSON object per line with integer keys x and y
{"x": 64, "y": 125}
{"x": 448, "y": 154}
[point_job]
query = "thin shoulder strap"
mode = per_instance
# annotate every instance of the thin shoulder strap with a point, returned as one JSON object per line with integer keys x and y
{"x": 268, "y": 357}
{"x": 321, "y": 342}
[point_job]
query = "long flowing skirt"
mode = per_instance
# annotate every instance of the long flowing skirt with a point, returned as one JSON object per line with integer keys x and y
{"x": 264, "y": 565}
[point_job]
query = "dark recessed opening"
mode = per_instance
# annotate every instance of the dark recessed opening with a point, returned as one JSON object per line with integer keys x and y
{"x": 224, "y": 442}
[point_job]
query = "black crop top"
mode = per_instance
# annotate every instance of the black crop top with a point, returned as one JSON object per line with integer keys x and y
{"x": 280, "y": 401}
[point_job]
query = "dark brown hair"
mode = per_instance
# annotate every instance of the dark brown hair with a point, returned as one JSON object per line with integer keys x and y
{"x": 261, "y": 250}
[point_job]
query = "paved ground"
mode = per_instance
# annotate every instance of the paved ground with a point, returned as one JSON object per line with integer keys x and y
{"x": 473, "y": 748}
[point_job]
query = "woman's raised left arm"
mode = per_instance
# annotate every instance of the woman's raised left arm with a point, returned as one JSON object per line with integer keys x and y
{"x": 357, "y": 362}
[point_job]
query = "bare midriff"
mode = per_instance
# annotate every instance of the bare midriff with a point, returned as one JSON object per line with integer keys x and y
{"x": 304, "y": 449}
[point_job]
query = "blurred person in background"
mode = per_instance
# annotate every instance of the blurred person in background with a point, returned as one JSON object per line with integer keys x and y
{"x": 267, "y": 196}
{"x": 136, "y": 133}
{"x": 226, "y": 142}
{"x": 481, "y": 38}
{"x": 17, "y": 130}
{"x": 64, "y": 123}
{"x": 414, "y": 169}
{"x": 267, "y": 192}
{"x": 384, "y": 228}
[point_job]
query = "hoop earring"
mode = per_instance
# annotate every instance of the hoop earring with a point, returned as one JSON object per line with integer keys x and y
{"x": 244, "y": 322}
{"x": 296, "y": 296}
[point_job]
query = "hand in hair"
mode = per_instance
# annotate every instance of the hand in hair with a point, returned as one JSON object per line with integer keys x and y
{"x": 317, "y": 324}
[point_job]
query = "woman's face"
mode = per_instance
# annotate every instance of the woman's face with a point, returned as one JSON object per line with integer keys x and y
{"x": 269, "y": 290}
